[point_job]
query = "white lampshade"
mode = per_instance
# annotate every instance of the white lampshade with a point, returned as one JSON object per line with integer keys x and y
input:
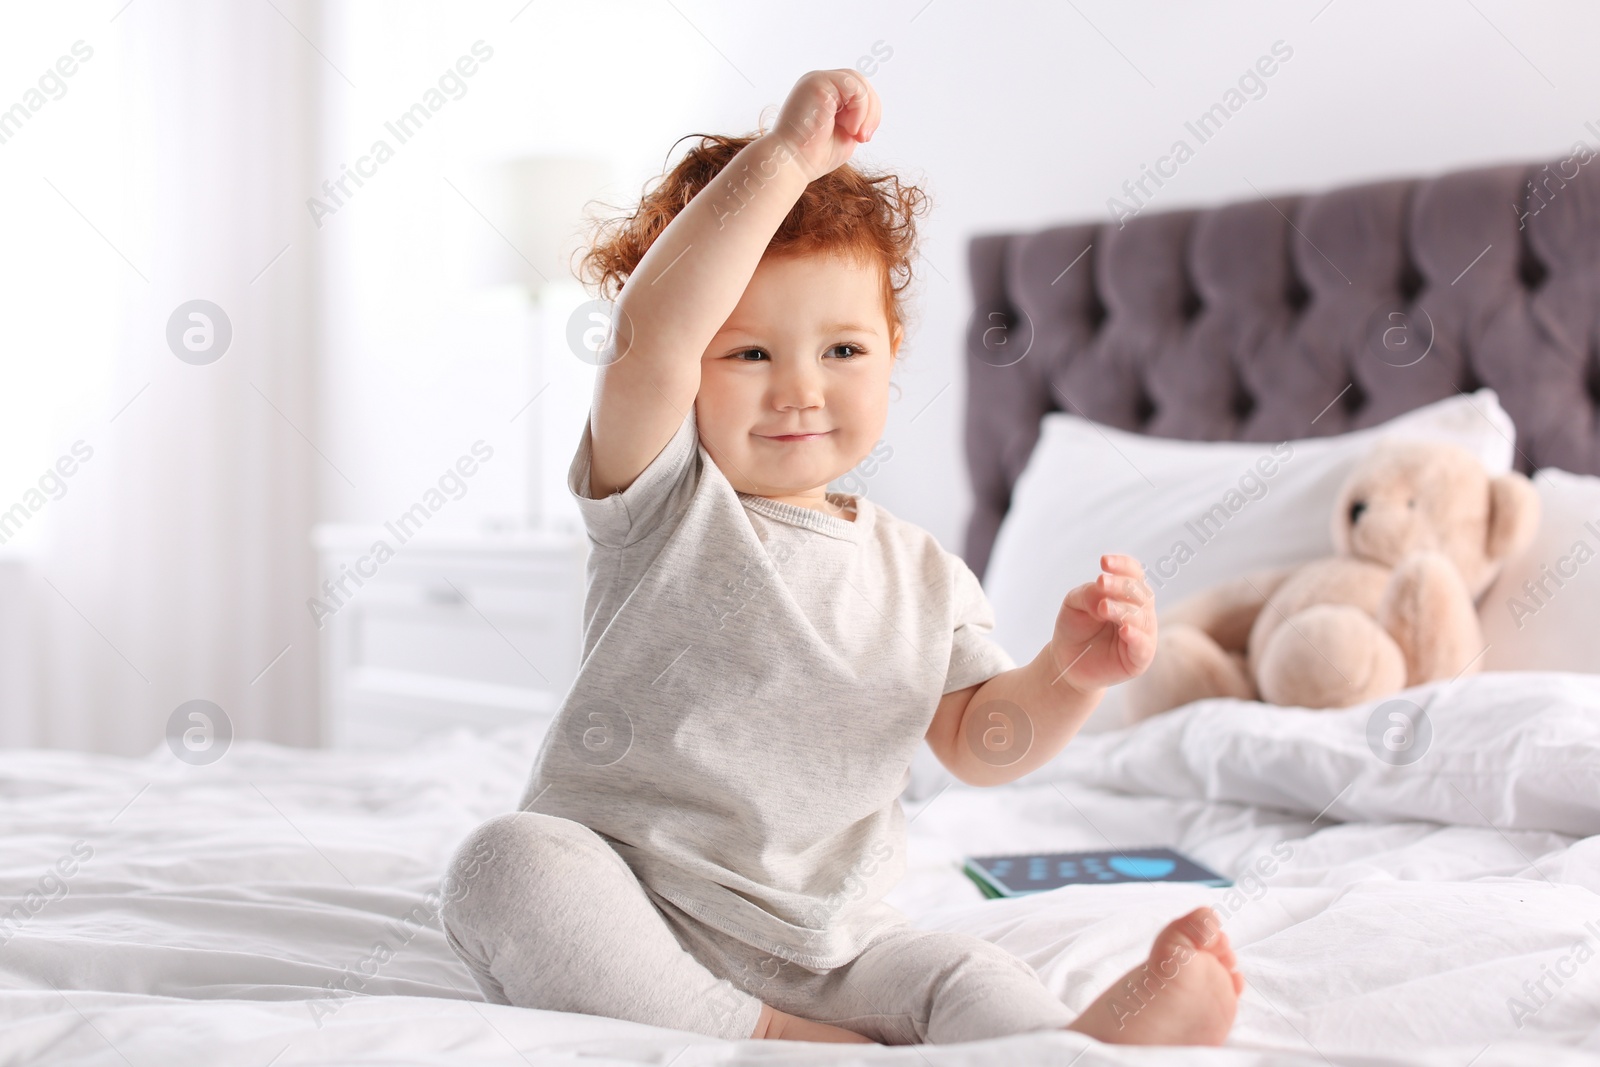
{"x": 534, "y": 207}
{"x": 534, "y": 214}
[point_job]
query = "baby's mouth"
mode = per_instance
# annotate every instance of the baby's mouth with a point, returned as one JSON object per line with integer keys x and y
{"x": 798, "y": 437}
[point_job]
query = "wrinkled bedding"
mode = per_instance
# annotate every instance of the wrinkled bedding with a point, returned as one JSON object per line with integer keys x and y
{"x": 280, "y": 906}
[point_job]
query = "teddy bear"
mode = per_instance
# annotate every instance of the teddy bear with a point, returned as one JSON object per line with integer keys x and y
{"x": 1420, "y": 530}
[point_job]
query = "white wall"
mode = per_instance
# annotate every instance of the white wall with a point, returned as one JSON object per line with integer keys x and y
{"x": 1012, "y": 114}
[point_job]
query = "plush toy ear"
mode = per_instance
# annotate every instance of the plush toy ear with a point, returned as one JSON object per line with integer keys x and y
{"x": 1513, "y": 515}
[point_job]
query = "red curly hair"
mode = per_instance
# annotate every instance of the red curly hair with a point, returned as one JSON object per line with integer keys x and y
{"x": 862, "y": 216}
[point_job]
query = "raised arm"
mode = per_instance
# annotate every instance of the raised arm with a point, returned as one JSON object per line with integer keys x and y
{"x": 692, "y": 276}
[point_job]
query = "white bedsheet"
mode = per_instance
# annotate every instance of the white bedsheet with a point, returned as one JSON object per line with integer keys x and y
{"x": 221, "y": 905}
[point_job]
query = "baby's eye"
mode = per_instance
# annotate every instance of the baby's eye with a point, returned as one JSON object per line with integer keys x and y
{"x": 851, "y": 351}
{"x": 749, "y": 352}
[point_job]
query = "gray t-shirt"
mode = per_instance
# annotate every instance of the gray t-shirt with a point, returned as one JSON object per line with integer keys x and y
{"x": 755, "y": 682}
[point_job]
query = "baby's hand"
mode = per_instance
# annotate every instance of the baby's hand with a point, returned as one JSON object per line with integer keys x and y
{"x": 1106, "y": 630}
{"x": 827, "y": 114}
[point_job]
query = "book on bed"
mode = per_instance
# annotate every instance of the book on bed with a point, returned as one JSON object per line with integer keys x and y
{"x": 1019, "y": 875}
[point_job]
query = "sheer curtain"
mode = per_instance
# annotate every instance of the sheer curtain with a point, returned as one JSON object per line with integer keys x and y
{"x": 178, "y": 565}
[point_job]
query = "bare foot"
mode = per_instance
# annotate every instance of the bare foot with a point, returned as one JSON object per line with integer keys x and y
{"x": 775, "y": 1025}
{"x": 1186, "y": 993}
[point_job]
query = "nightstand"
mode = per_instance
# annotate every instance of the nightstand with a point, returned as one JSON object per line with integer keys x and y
{"x": 452, "y": 630}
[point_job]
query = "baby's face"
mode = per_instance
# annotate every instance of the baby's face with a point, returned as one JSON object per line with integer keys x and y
{"x": 783, "y": 364}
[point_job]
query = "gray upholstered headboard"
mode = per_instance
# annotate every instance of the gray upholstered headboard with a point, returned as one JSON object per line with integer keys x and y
{"x": 1246, "y": 322}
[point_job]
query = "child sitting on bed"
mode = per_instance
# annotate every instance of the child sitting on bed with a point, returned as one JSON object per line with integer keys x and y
{"x": 713, "y": 820}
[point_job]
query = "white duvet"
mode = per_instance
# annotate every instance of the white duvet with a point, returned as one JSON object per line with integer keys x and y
{"x": 1446, "y": 911}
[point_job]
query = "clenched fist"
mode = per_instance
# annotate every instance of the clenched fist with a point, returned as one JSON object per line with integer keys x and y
{"x": 827, "y": 113}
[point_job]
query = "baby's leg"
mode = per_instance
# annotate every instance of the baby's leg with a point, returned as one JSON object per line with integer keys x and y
{"x": 912, "y": 986}
{"x": 936, "y": 987}
{"x": 1186, "y": 993}
{"x": 545, "y": 914}
{"x": 778, "y": 1025}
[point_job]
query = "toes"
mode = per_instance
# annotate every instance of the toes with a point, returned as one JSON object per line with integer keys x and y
{"x": 1199, "y": 930}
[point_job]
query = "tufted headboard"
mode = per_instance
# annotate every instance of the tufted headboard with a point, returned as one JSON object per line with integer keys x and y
{"x": 1293, "y": 317}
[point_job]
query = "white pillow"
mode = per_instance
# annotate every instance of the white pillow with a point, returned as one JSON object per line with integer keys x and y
{"x": 1089, "y": 490}
{"x": 1543, "y": 612}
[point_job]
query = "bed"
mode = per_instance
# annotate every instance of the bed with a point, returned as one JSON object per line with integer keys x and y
{"x": 280, "y": 906}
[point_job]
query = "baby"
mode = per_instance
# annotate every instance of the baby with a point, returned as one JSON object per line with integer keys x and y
{"x": 713, "y": 819}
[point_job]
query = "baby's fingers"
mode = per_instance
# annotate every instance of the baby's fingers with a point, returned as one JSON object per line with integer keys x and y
{"x": 1138, "y": 641}
{"x": 1121, "y": 598}
{"x": 856, "y": 109}
{"x": 1123, "y": 565}
{"x": 1096, "y": 600}
{"x": 1131, "y": 590}
{"x": 1115, "y": 599}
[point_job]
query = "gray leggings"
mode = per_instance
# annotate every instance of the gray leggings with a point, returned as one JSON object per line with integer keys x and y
{"x": 547, "y": 915}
